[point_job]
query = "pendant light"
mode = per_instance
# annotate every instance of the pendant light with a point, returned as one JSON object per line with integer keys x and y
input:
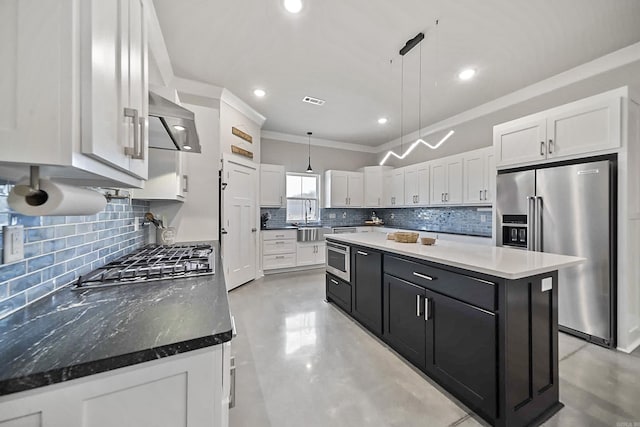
{"x": 407, "y": 47}
{"x": 309, "y": 169}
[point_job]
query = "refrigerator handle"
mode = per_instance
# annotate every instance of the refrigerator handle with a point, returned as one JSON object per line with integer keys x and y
{"x": 531, "y": 228}
{"x": 538, "y": 223}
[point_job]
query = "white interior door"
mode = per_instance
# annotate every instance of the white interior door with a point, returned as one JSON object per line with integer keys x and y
{"x": 239, "y": 222}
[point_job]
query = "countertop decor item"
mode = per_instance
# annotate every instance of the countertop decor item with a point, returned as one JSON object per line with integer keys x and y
{"x": 405, "y": 237}
{"x": 427, "y": 240}
{"x": 391, "y": 236}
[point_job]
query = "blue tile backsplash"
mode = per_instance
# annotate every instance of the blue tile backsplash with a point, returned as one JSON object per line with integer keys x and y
{"x": 456, "y": 219}
{"x": 59, "y": 249}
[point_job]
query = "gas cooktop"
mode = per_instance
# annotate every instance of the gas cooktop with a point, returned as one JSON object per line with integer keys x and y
{"x": 152, "y": 263}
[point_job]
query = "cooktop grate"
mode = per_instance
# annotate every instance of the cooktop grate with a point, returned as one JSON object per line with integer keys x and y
{"x": 152, "y": 263}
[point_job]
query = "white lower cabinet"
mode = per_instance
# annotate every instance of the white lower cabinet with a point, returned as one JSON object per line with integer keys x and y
{"x": 186, "y": 390}
{"x": 311, "y": 253}
{"x": 278, "y": 249}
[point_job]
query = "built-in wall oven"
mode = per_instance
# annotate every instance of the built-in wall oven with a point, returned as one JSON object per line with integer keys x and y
{"x": 338, "y": 260}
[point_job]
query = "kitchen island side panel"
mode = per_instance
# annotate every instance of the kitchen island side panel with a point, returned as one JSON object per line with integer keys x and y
{"x": 528, "y": 333}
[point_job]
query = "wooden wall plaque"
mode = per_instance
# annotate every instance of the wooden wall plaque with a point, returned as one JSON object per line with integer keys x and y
{"x": 237, "y": 150}
{"x": 237, "y": 132}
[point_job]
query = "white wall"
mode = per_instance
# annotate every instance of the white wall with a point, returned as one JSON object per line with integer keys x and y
{"x": 197, "y": 218}
{"x": 295, "y": 156}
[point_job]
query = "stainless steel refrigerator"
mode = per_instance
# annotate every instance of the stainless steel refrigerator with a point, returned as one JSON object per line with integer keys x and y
{"x": 568, "y": 209}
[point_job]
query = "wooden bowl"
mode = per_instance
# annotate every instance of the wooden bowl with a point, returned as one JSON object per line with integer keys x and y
{"x": 427, "y": 240}
{"x": 402, "y": 237}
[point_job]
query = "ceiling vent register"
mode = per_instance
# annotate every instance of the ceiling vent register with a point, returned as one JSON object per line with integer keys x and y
{"x": 312, "y": 100}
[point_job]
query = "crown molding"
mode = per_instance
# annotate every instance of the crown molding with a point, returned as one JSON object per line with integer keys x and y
{"x": 229, "y": 98}
{"x": 318, "y": 142}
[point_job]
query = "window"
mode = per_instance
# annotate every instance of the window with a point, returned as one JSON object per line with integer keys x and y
{"x": 303, "y": 197}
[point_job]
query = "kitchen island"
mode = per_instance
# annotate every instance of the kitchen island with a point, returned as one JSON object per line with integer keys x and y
{"x": 481, "y": 321}
{"x": 153, "y": 353}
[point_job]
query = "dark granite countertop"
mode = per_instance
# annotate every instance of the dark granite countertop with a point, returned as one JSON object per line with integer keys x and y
{"x": 72, "y": 334}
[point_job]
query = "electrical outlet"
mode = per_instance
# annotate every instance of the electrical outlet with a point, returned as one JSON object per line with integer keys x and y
{"x": 344, "y": 215}
{"x": 13, "y": 242}
{"x": 332, "y": 216}
{"x": 137, "y": 221}
{"x": 393, "y": 216}
{"x": 483, "y": 218}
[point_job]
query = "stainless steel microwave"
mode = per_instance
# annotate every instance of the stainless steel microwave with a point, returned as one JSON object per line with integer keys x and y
{"x": 339, "y": 260}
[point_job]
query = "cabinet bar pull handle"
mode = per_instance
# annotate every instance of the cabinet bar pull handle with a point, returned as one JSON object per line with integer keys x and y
{"x": 446, "y": 197}
{"x": 427, "y": 301}
{"x": 542, "y": 148}
{"x": 280, "y": 257}
{"x": 362, "y": 253}
{"x": 417, "y": 305}
{"x": 141, "y": 124}
{"x": 335, "y": 282}
{"x": 480, "y": 194}
{"x": 550, "y": 146}
{"x": 442, "y": 197}
{"x": 485, "y": 194}
{"x": 422, "y": 276}
{"x": 279, "y": 235}
{"x": 133, "y": 152}
{"x": 280, "y": 200}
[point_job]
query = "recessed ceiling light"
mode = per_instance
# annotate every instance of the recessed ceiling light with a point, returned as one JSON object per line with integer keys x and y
{"x": 466, "y": 74}
{"x": 178, "y": 127}
{"x": 186, "y": 147}
{"x": 382, "y": 120}
{"x": 293, "y": 6}
{"x": 259, "y": 93}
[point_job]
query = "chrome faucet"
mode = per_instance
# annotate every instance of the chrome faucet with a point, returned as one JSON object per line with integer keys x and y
{"x": 307, "y": 212}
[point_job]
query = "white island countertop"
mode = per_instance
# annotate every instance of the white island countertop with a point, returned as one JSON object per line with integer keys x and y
{"x": 502, "y": 262}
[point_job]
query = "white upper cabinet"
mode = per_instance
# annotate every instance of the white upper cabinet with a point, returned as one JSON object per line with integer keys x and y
{"x": 74, "y": 90}
{"x": 168, "y": 176}
{"x": 446, "y": 180}
{"x": 374, "y": 194}
{"x": 114, "y": 84}
{"x": 272, "y": 186}
{"x": 587, "y": 126}
{"x": 394, "y": 188}
{"x": 479, "y": 176}
{"x": 343, "y": 189}
{"x": 416, "y": 184}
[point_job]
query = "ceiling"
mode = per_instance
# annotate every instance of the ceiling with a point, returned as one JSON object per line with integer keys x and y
{"x": 346, "y": 52}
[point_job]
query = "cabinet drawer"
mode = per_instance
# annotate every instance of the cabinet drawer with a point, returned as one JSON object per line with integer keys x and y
{"x": 339, "y": 292}
{"x": 464, "y": 288}
{"x": 272, "y": 247}
{"x": 270, "y": 262}
{"x": 279, "y": 235}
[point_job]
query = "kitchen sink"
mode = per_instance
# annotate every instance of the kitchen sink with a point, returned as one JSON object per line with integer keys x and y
{"x": 312, "y": 234}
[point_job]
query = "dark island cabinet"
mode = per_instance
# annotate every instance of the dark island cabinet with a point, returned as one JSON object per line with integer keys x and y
{"x": 366, "y": 288}
{"x": 452, "y": 341}
{"x": 491, "y": 342}
{"x": 462, "y": 347}
{"x": 339, "y": 292}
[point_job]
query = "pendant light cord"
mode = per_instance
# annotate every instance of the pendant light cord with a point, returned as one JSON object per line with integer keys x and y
{"x": 401, "y": 103}
{"x": 420, "y": 93}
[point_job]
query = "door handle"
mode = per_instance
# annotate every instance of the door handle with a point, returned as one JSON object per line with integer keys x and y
{"x": 362, "y": 253}
{"x": 531, "y": 227}
{"x": 538, "y": 230}
{"x": 129, "y": 151}
{"x": 542, "y": 148}
{"x": 550, "y": 146}
{"x": 417, "y": 305}
{"x": 422, "y": 276}
{"x": 253, "y": 230}
{"x": 427, "y": 311}
{"x": 223, "y": 231}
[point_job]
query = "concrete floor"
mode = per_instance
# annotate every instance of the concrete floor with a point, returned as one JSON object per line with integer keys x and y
{"x": 302, "y": 362}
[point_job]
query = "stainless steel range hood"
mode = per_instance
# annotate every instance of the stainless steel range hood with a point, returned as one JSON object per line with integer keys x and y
{"x": 171, "y": 127}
